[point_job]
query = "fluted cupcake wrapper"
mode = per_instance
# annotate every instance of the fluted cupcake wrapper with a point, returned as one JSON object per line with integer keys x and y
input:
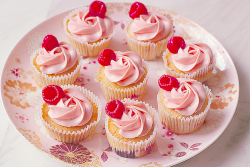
{"x": 201, "y": 75}
{"x": 135, "y": 92}
{"x": 183, "y": 125}
{"x": 133, "y": 149}
{"x": 145, "y": 49}
{"x": 43, "y": 79}
{"x": 76, "y": 136}
{"x": 86, "y": 49}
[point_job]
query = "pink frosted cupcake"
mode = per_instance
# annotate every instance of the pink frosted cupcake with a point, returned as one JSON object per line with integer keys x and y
{"x": 182, "y": 103}
{"x": 55, "y": 63}
{"x": 88, "y": 29}
{"x": 131, "y": 127}
{"x": 70, "y": 113}
{"x": 188, "y": 59}
{"x": 122, "y": 75}
{"x": 148, "y": 33}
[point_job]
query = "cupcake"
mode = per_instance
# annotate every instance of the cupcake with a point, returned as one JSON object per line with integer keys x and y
{"x": 188, "y": 59}
{"x": 55, "y": 63}
{"x": 69, "y": 113}
{"x": 131, "y": 127}
{"x": 122, "y": 75}
{"x": 148, "y": 33}
{"x": 88, "y": 29}
{"x": 182, "y": 103}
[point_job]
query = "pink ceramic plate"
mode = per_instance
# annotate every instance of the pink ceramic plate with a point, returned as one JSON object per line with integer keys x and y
{"x": 19, "y": 89}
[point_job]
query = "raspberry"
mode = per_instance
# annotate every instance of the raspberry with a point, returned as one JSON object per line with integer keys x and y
{"x": 168, "y": 82}
{"x": 115, "y": 109}
{"x": 97, "y": 8}
{"x": 175, "y": 43}
{"x": 52, "y": 94}
{"x": 105, "y": 57}
{"x": 50, "y": 42}
{"x": 137, "y": 9}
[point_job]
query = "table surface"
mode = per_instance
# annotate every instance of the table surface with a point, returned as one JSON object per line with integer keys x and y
{"x": 228, "y": 21}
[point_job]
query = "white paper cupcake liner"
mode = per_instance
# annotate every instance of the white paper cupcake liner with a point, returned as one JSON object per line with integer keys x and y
{"x": 76, "y": 136}
{"x": 201, "y": 75}
{"x": 43, "y": 79}
{"x": 183, "y": 125}
{"x": 133, "y": 149}
{"x": 86, "y": 49}
{"x": 135, "y": 92}
{"x": 146, "y": 49}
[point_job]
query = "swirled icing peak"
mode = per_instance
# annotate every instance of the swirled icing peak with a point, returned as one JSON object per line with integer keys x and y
{"x": 90, "y": 28}
{"x": 195, "y": 56}
{"x": 151, "y": 27}
{"x": 188, "y": 98}
{"x": 126, "y": 70}
{"x": 58, "y": 60}
{"x": 74, "y": 110}
{"x": 135, "y": 121}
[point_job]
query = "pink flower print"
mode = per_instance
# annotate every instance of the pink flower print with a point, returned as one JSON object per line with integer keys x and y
{"x": 73, "y": 153}
{"x": 15, "y": 72}
{"x": 21, "y": 117}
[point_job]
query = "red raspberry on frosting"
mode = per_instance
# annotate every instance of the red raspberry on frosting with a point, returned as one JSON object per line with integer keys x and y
{"x": 115, "y": 109}
{"x": 97, "y": 8}
{"x": 168, "y": 82}
{"x": 50, "y": 42}
{"x": 137, "y": 9}
{"x": 52, "y": 94}
{"x": 105, "y": 57}
{"x": 175, "y": 43}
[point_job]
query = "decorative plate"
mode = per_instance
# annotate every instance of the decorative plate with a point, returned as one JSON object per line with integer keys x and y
{"x": 19, "y": 89}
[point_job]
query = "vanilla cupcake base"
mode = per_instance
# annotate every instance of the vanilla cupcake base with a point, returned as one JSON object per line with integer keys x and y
{"x": 181, "y": 124}
{"x": 43, "y": 79}
{"x": 86, "y": 49}
{"x": 133, "y": 92}
{"x": 145, "y": 49}
{"x": 201, "y": 75}
{"x": 74, "y": 136}
{"x": 133, "y": 149}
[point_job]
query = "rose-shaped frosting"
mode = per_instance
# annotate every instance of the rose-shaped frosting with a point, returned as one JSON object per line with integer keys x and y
{"x": 74, "y": 110}
{"x": 188, "y": 98}
{"x": 135, "y": 121}
{"x": 89, "y": 28}
{"x": 58, "y": 60}
{"x": 126, "y": 70}
{"x": 195, "y": 56}
{"x": 151, "y": 27}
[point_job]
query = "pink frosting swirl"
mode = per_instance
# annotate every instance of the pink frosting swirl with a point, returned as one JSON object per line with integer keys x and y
{"x": 75, "y": 110}
{"x": 89, "y": 28}
{"x": 126, "y": 70}
{"x": 188, "y": 98}
{"x": 151, "y": 27}
{"x": 58, "y": 60}
{"x": 195, "y": 56}
{"x": 135, "y": 121}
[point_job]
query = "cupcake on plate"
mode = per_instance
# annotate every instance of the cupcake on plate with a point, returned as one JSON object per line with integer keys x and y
{"x": 69, "y": 113}
{"x": 88, "y": 29}
{"x": 131, "y": 127}
{"x": 122, "y": 75}
{"x": 55, "y": 63}
{"x": 148, "y": 33}
{"x": 188, "y": 59}
{"x": 182, "y": 103}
